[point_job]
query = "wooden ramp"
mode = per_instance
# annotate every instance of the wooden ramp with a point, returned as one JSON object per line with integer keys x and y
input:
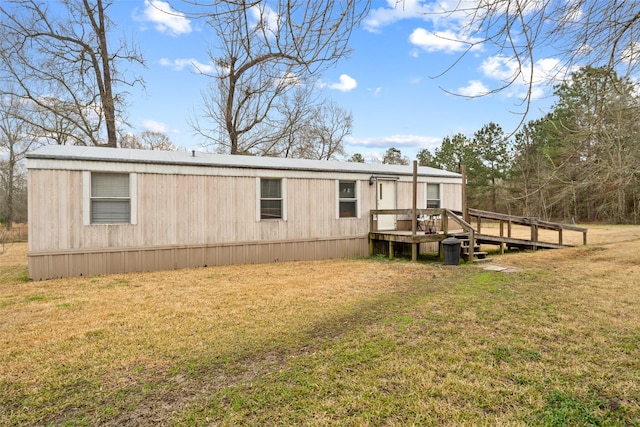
{"x": 505, "y": 237}
{"x": 509, "y": 242}
{"x": 499, "y": 230}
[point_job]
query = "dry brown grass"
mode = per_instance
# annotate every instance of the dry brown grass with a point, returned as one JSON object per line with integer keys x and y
{"x": 352, "y": 338}
{"x": 116, "y": 331}
{"x": 15, "y": 254}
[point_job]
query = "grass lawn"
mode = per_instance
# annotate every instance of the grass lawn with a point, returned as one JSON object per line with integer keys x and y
{"x": 554, "y": 340}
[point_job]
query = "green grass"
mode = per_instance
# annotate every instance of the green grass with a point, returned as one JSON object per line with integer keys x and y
{"x": 432, "y": 355}
{"x": 555, "y": 344}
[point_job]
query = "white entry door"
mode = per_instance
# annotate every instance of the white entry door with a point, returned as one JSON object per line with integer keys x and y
{"x": 386, "y": 199}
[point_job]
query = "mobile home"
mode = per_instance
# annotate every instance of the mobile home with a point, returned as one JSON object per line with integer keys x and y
{"x": 95, "y": 210}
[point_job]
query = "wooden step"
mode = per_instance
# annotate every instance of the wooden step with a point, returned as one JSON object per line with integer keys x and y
{"x": 478, "y": 256}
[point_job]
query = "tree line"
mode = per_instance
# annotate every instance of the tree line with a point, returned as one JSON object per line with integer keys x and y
{"x": 66, "y": 72}
{"x": 578, "y": 163}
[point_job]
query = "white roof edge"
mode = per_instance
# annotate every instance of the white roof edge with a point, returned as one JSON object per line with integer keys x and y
{"x": 125, "y": 155}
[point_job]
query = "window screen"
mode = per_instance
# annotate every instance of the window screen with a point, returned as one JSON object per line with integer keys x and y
{"x": 270, "y": 198}
{"x": 433, "y": 196}
{"x": 110, "y": 198}
{"x": 348, "y": 201}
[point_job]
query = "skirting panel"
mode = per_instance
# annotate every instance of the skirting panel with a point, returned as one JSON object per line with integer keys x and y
{"x": 50, "y": 265}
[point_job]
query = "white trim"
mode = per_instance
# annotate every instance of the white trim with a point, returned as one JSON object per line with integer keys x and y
{"x": 358, "y": 200}
{"x": 426, "y": 193}
{"x": 258, "y": 208}
{"x": 356, "y": 197}
{"x": 133, "y": 198}
{"x": 284, "y": 198}
{"x": 86, "y": 197}
{"x": 337, "y": 199}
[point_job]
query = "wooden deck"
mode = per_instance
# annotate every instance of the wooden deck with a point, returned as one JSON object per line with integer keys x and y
{"x": 451, "y": 224}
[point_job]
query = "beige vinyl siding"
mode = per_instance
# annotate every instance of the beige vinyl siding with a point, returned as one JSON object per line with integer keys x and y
{"x": 185, "y": 210}
{"x": 195, "y": 209}
{"x": 191, "y": 216}
{"x": 451, "y": 196}
{"x": 55, "y": 214}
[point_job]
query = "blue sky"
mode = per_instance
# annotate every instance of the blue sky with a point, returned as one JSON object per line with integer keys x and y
{"x": 387, "y": 82}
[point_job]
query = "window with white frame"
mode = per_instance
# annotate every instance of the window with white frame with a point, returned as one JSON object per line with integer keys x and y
{"x": 271, "y": 198}
{"x": 347, "y": 199}
{"x": 110, "y": 198}
{"x": 433, "y": 196}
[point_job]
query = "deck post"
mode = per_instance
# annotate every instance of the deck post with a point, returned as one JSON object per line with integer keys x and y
{"x": 391, "y": 256}
{"x": 370, "y": 246}
{"x": 414, "y": 251}
{"x": 445, "y": 222}
{"x": 501, "y": 235}
{"x": 560, "y": 236}
{"x": 465, "y": 205}
{"x": 414, "y": 219}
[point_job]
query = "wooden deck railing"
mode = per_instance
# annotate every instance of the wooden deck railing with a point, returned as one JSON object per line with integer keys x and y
{"x": 446, "y": 217}
{"x": 452, "y": 223}
{"x": 534, "y": 223}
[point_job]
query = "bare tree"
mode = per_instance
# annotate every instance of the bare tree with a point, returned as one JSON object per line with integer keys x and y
{"x": 581, "y": 32}
{"x": 310, "y": 129}
{"x": 148, "y": 140}
{"x": 264, "y": 50}
{"x": 323, "y": 135}
{"x": 58, "y": 57}
{"x": 16, "y": 138}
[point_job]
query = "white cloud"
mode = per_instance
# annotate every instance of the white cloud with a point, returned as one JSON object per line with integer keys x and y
{"x": 395, "y": 11}
{"x": 574, "y": 12}
{"x": 474, "y": 88}
{"x": 154, "y": 126}
{"x": 443, "y": 13}
{"x": 519, "y": 76}
{"x": 181, "y": 63}
{"x": 286, "y": 81}
{"x": 166, "y": 19}
{"x": 399, "y": 141}
{"x": 376, "y": 91}
{"x": 346, "y": 84}
{"x": 500, "y": 67}
{"x": 267, "y": 16}
{"x": 443, "y": 41}
{"x": 631, "y": 54}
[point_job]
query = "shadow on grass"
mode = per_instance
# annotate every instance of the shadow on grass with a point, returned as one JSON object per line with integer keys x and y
{"x": 254, "y": 360}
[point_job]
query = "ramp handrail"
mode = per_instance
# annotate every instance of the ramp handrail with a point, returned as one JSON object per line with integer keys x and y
{"x": 533, "y": 222}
